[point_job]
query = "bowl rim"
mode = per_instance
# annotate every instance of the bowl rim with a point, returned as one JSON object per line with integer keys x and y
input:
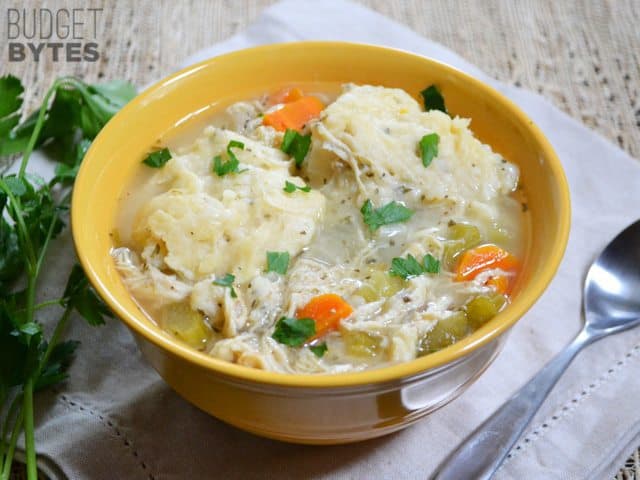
{"x": 417, "y": 367}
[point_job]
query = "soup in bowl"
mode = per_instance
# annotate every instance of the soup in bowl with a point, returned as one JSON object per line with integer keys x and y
{"x": 350, "y": 231}
{"x": 304, "y": 232}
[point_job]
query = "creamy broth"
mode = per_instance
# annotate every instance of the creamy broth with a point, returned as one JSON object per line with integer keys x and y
{"x": 364, "y": 285}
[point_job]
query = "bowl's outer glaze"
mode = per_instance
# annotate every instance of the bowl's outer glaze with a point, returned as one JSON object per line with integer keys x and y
{"x": 268, "y": 403}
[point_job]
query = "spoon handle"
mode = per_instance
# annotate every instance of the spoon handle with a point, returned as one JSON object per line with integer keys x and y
{"x": 480, "y": 455}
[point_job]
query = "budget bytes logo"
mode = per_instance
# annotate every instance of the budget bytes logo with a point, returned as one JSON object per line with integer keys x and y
{"x": 64, "y": 34}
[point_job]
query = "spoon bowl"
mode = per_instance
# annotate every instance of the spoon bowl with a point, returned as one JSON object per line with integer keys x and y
{"x": 612, "y": 286}
{"x": 611, "y": 305}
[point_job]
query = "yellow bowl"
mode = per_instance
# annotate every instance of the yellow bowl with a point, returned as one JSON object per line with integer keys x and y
{"x": 316, "y": 408}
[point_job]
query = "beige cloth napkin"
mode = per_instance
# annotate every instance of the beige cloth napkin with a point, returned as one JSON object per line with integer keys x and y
{"x": 115, "y": 418}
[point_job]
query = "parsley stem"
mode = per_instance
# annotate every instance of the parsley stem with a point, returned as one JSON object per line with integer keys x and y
{"x": 29, "y": 437}
{"x": 45, "y": 245}
{"x": 11, "y": 412}
{"x": 48, "y": 303}
{"x": 23, "y": 232}
{"x": 31, "y": 296}
{"x": 37, "y": 129}
{"x": 4, "y": 393}
{"x": 57, "y": 331}
{"x": 39, "y": 306}
{"x": 8, "y": 459}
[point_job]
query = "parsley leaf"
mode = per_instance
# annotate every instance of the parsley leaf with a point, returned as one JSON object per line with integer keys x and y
{"x": 30, "y": 329}
{"x": 116, "y": 92}
{"x": 234, "y": 143}
{"x": 55, "y": 370}
{"x": 158, "y": 159}
{"x": 222, "y": 168}
{"x": 16, "y": 185}
{"x": 410, "y": 267}
{"x": 35, "y": 209}
{"x": 13, "y": 350}
{"x": 227, "y": 281}
{"x": 392, "y": 212}
{"x": 287, "y": 140}
{"x": 431, "y": 264}
{"x": 11, "y": 91}
{"x": 294, "y": 331}
{"x": 11, "y": 262}
{"x": 429, "y": 148}
{"x": 433, "y": 99}
{"x": 78, "y": 111}
{"x": 296, "y": 145}
{"x": 231, "y": 166}
{"x": 79, "y": 295}
{"x": 10, "y": 102}
{"x": 278, "y": 262}
{"x": 319, "y": 350}
{"x": 67, "y": 172}
{"x": 76, "y": 106}
{"x": 406, "y": 268}
{"x": 292, "y": 187}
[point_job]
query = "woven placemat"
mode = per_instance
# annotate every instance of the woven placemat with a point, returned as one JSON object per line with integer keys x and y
{"x": 581, "y": 55}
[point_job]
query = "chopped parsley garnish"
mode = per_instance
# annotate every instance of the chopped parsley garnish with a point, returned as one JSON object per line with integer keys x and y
{"x": 433, "y": 99}
{"x": 294, "y": 331}
{"x": 296, "y": 145}
{"x": 287, "y": 140}
{"x": 410, "y": 267}
{"x": 431, "y": 264}
{"x": 158, "y": 158}
{"x": 230, "y": 166}
{"x": 278, "y": 262}
{"x": 429, "y": 148}
{"x": 292, "y": 187}
{"x": 319, "y": 350}
{"x": 227, "y": 281}
{"x": 392, "y": 212}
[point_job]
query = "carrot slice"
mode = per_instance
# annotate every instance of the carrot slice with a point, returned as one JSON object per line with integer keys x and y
{"x": 285, "y": 95}
{"x": 326, "y": 310}
{"x": 485, "y": 257}
{"x": 294, "y": 115}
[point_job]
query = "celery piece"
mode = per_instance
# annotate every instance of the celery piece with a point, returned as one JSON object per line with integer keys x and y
{"x": 462, "y": 236}
{"x": 185, "y": 324}
{"x": 362, "y": 344}
{"x": 480, "y": 310}
{"x": 446, "y": 332}
{"x": 379, "y": 285}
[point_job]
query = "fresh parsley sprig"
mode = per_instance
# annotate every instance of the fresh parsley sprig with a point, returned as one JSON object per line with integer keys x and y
{"x": 232, "y": 165}
{"x": 429, "y": 148}
{"x": 296, "y": 145}
{"x": 227, "y": 281}
{"x": 410, "y": 267}
{"x": 157, "y": 158}
{"x": 291, "y": 187}
{"x": 433, "y": 99}
{"x": 319, "y": 350}
{"x": 294, "y": 331}
{"x": 392, "y": 212}
{"x": 32, "y": 214}
{"x": 278, "y": 262}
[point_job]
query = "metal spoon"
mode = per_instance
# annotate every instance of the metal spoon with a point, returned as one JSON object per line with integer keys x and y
{"x": 611, "y": 305}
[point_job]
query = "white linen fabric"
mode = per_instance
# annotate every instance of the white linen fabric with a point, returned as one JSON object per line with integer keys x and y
{"x": 115, "y": 418}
